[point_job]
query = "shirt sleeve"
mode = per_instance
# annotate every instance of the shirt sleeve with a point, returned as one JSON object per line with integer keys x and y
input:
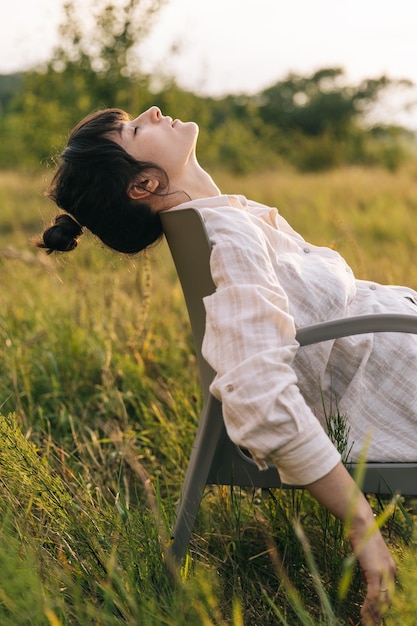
{"x": 250, "y": 343}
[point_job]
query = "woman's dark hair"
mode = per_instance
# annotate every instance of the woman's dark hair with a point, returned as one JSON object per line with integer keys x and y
{"x": 91, "y": 185}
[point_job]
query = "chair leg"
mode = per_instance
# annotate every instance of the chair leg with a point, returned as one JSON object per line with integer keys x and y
{"x": 209, "y": 434}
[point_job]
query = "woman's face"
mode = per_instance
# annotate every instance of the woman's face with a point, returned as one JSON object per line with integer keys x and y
{"x": 157, "y": 138}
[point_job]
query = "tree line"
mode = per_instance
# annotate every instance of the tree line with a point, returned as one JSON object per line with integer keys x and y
{"x": 309, "y": 122}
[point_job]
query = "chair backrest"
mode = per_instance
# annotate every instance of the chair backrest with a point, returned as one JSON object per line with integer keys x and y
{"x": 190, "y": 249}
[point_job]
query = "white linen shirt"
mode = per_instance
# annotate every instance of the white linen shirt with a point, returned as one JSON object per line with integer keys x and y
{"x": 275, "y": 395}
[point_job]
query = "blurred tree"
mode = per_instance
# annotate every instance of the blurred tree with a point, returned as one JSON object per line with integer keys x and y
{"x": 321, "y": 102}
{"x": 106, "y": 49}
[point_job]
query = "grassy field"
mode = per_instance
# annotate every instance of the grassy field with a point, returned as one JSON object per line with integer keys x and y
{"x": 100, "y": 397}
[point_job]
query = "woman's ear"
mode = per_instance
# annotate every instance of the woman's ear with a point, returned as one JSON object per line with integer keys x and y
{"x": 140, "y": 188}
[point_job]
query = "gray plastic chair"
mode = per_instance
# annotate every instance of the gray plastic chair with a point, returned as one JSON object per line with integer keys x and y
{"x": 214, "y": 458}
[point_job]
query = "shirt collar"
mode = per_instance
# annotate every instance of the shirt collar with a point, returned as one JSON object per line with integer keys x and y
{"x": 214, "y": 202}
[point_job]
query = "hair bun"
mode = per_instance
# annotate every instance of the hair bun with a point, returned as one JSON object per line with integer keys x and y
{"x": 62, "y": 236}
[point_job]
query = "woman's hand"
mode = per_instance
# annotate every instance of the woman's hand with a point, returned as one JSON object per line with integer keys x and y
{"x": 338, "y": 492}
{"x": 378, "y": 568}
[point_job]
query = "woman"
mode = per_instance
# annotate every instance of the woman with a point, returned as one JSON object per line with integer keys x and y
{"x": 116, "y": 174}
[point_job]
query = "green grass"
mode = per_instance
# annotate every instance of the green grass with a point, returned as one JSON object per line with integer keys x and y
{"x": 99, "y": 397}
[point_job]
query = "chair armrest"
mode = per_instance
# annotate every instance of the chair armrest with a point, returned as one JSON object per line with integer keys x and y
{"x": 382, "y": 322}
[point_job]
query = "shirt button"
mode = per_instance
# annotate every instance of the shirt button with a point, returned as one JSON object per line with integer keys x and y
{"x": 373, "y": 287}
{"x": 229, "y": 388}
{"x": 306, "y": 250}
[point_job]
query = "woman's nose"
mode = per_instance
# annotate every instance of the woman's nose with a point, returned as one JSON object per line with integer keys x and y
{"x": 155, "y": 113}
{"x": 152, "y": 114}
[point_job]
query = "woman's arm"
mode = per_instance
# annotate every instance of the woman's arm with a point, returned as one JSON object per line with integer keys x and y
{"x": 250, "y": 342}
{"x": 338, "y": 492}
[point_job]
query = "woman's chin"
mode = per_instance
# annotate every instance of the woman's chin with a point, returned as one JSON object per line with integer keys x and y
{"x": 192, "y": 126}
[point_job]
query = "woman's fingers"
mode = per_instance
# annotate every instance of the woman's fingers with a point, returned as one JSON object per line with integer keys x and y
{"x": 379, "y": 570}
{"x": 374, "y": 608}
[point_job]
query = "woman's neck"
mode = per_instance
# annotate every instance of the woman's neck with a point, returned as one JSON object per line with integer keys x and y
{"x": 195, "y": 183}
{"x": 192, "y": 183}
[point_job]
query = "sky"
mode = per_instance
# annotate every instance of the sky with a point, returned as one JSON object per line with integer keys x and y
{"x": 244, "y": 46}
